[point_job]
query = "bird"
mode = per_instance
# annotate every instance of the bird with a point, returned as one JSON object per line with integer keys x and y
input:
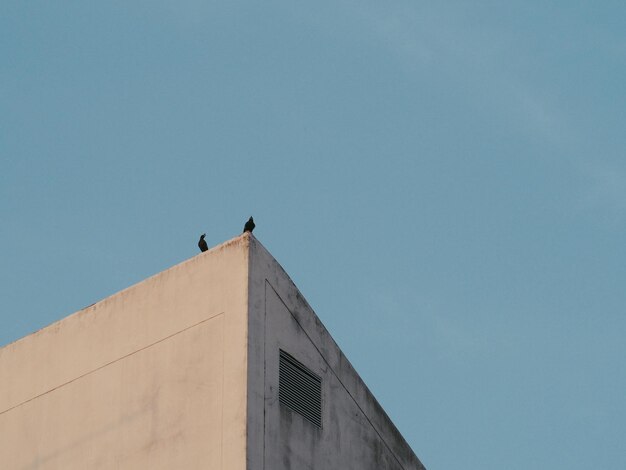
{"x": 249, "y": 227}
{"x": 202, "y": 243}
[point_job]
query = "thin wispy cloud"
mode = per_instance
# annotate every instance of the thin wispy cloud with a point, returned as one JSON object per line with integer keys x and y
{"x": 485, "y": 62}
{"x": 480, "y": 63}
{"x": 606, "y": 192}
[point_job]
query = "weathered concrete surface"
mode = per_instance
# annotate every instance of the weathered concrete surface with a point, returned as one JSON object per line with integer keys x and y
{"x": 152, "y": 377}
{"x": 356, "y": 433}
{"x": 181, "y": 372}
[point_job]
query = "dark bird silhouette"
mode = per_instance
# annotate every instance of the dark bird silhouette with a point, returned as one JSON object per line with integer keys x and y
{"x": 202, "y": 243}
{"x": 249, "y": 227}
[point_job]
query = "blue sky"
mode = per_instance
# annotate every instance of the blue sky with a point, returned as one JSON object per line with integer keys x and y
{"x": 444, "y": 181}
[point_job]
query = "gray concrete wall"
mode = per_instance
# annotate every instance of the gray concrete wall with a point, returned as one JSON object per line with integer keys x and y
{"x": 153, "y": 377}
{"x": 356, "y": 433}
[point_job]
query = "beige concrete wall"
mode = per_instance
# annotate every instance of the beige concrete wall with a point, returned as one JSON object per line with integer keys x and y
{"x": 181, "y": 372}
{"x": 152, "y": 377}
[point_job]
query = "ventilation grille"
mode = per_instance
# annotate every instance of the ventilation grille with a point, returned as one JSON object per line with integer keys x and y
{"x": 299, "y": 389}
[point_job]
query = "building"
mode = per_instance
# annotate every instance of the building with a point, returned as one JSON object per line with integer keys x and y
{"x": 216, "y": 363}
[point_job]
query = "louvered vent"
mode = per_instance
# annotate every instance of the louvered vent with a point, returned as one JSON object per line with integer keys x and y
{"x": 299, "y": 389}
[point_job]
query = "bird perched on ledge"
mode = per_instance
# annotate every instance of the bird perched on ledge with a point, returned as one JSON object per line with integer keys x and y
{"x": 202, "y": 243}
{"x": 249, "y": 227}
